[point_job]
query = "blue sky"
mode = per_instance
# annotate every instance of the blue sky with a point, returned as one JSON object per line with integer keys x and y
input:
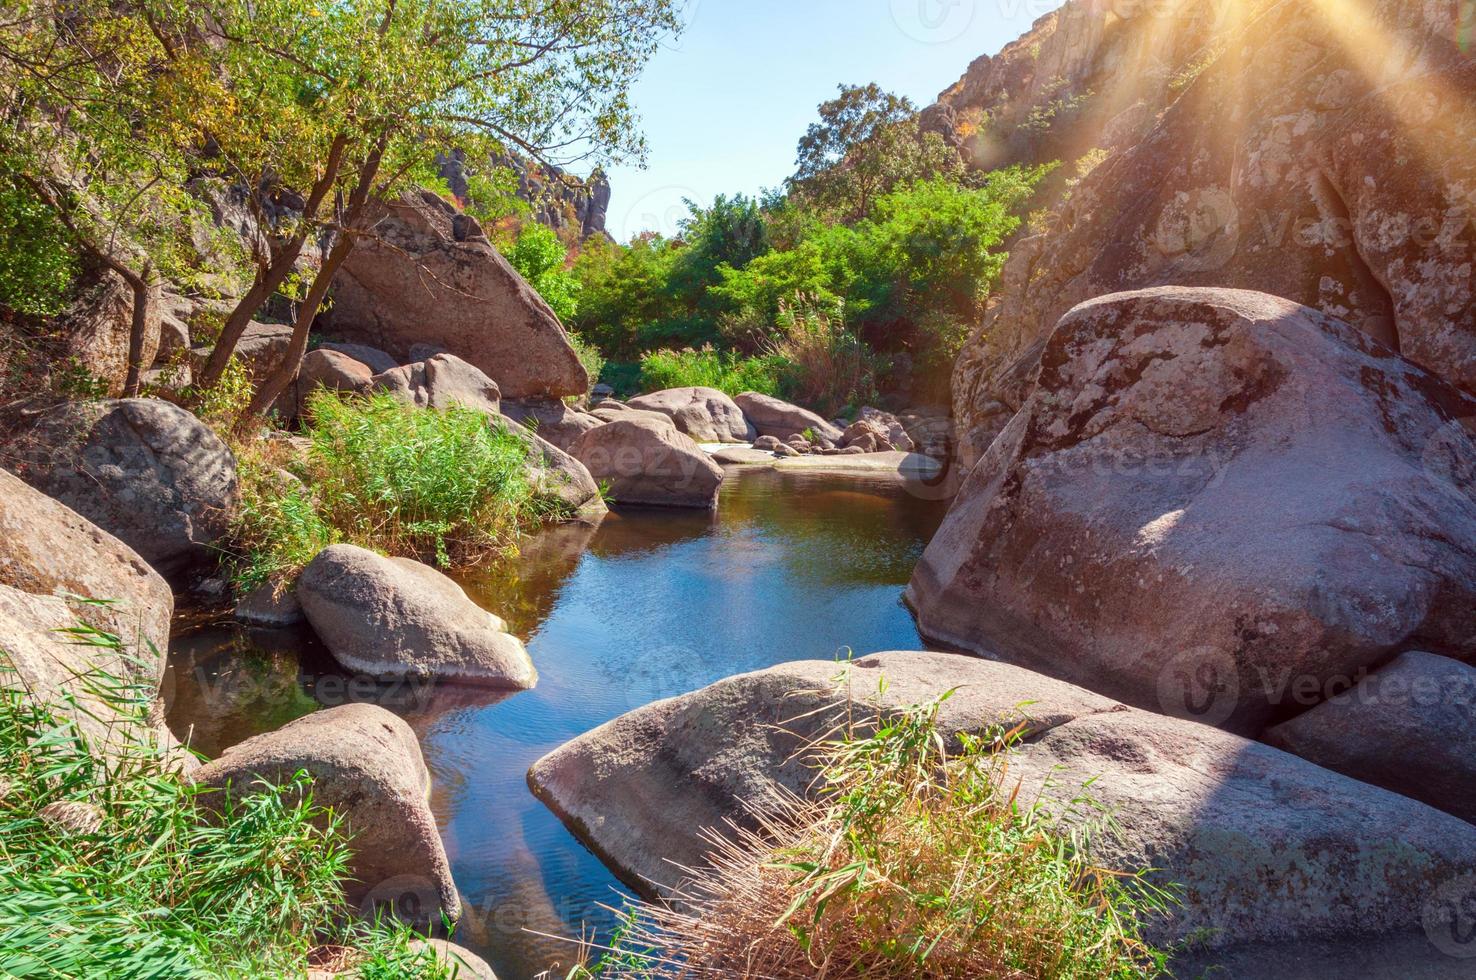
{"x": 724, "y": 105}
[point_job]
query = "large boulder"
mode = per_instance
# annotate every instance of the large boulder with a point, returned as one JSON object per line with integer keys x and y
{"x": 367, "y": 767}
{"x": 429, "y": 275}
{"x": 260, "y": 349}
{"x": 1293, "y": 156}
{"x": 554, "y": 421}
{"x": 772, "y": 416}
{"x": 146, "y": 471}
{"x": 397, "y": 618}
{"x": 52, "y": 562}
{"x": 1217, "y": 503}
{"x": 650, "y": 463}
{"x": 705, "y": 414}
{"x": 1409, "y": 727}
{"x": 1266, "y": 846}
{"x": 442, "y": 381}
{"x": 376, "y": 360}
{"x": 327, "y": 369}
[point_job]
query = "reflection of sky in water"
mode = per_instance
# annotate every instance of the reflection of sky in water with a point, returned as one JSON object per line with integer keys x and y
{"x": 649, "y": 605}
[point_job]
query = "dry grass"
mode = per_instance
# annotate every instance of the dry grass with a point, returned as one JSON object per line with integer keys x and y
{"x": 827, "y": 367}
{"x": 914, "y": 862}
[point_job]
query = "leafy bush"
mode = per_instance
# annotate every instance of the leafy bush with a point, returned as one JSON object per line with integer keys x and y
{"x": 917, "y": 861}
{"x": 727, "y": 372}
{"x": 429, "y": 484}
{"x": 539, "y": 257}
{"x": 38, "y": 263}
{"x": 589, "y": 355}
{"x": 158, "y": 888}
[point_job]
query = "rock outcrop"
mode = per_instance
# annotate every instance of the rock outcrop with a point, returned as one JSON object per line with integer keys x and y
{"x": 1212, "y": 501}
{"x": 441, "y": 382}
{"x": 1267, "y": 847}
{"x": 145, "y": 471}
{"x": 397, "y": 618}
{"x": 650, "y": 463}
{"x": 1295, "y": 154}
{"x": 772, "y": 416}
{"x": 98, "y": 327}
{"x": 1409, "y": 727}
{"x": 367, "y": 767}
{"x": 429, "y": 275}
{"x": 705, "y": 414}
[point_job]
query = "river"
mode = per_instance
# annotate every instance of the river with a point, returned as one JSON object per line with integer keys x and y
{"x": 649, "y": 604}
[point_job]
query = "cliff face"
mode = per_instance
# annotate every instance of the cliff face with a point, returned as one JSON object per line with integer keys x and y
{"x": 1323, "y": 152}
{"x": 565, "y": 203}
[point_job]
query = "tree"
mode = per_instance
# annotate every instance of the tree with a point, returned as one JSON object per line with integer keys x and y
{"x": 91, "y": 138}
{"x": 356, "y": 98}
{"x": 866, "y": 144}
{"x": 539, "y": 257}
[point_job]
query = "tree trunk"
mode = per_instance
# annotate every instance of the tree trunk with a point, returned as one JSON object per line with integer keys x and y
{"x": 143, "y": 303}
{"x": 270, "y": 278}
{"x": 283, "y": 375}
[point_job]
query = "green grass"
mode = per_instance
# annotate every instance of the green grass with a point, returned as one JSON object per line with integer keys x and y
{"x": 439, "y": 486}
{"x": 918, "y": 860}
{"x": 728, "y": 372}
{"x": 161, "y": 888}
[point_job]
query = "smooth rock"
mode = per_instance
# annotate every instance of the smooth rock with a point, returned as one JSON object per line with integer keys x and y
{"x": 444, "y": 381}
{"x": 464, "y": 964}
{"x": 367, "y": 767}
{"x": 555, "y": 473}
{"x": 1215, "y": 504}
{"x": 331, "y": 370}
{"x": 1267, "y": 847}
{"x": 705, "y": 414}
{"x": 430, "y": 276}
{"x": 552, "y": 420}
{"x": 648, "y": 463}
{"x": 1409, "y": 727}
{"x": 376, "y": 360}
{"x": 146, "y": 471}
{"x": 397, "y": 618}
{"x": 268, "y": 607}
{"x": 772, "y": 416}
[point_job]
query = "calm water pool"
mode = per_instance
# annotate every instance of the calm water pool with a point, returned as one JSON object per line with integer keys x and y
{"x": 647, "y": 605}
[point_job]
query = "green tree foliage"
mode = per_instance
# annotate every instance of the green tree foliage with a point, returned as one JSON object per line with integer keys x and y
{"x": 351, "y": 102}
{"x": 92, "y": 136}
{"x": 38, "y": 263}
{"x": 866, "y": 144}
{"x": 539, "y": 257}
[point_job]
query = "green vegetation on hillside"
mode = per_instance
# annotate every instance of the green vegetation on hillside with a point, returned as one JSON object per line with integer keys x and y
{"x": 116, "y": 869}
{"x": 883, "y": 232}
{"x": 918, "y": 860}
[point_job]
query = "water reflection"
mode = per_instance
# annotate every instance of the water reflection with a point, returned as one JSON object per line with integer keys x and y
{"x": 646, "y": 605}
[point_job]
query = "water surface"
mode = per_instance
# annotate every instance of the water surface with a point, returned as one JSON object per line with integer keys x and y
{"x": 649, "y": 604}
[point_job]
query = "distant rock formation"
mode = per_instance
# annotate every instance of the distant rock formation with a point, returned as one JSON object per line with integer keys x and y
{"x": 558, "y": 199}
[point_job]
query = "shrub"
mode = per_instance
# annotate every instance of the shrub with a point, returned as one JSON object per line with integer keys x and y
{"x": 538, "y": 255}
{"x": 917, "y": 861}
{"x": 39, "y": 262}
{"x": 428, "y": 484}
{"x": 160, "y": 889}
{"x": 827, "y": 367}
{"x": 727, "y": 372}
{"x": 589, "y": 355}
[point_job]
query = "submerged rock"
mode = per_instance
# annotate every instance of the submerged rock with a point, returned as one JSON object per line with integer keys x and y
{"x": 143, "y": 470}
{"x": 705, "y": 414}
{"x": 367, "y": 767}
{"x": 397, "y": 618}
{"x": 1215, "y": 504}
{"x": 650, "y": 463}
{"x": 1267, "y": 847}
